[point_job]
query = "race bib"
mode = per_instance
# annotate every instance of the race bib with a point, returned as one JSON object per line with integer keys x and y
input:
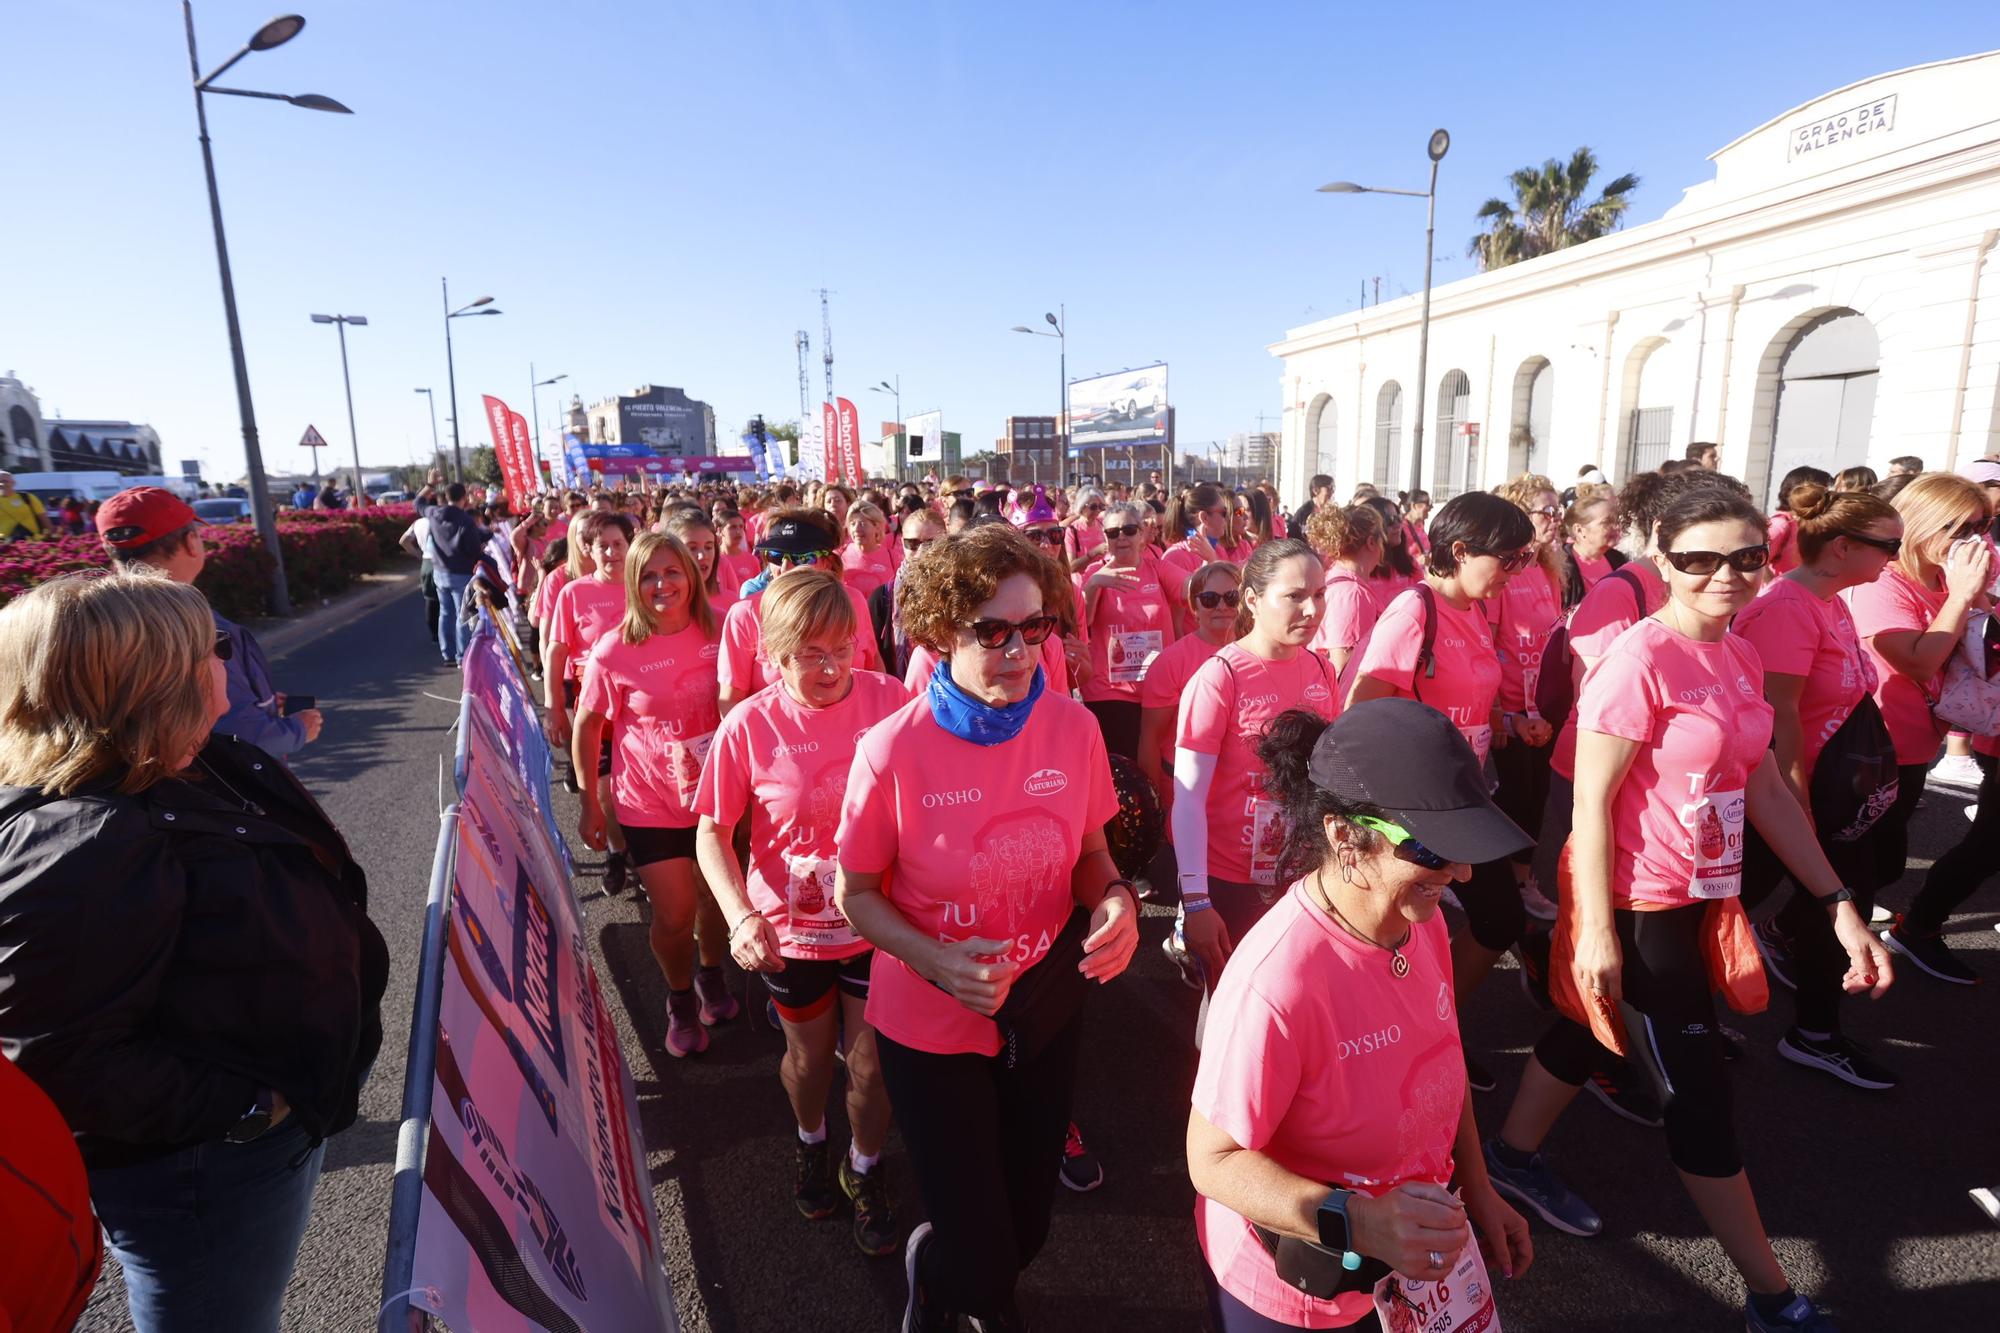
{"x": 1132, "y": 652}
{"x": 1460, "y": 1302}
{"x": 1267, "y": 840}
{"x": 813, "y": 917}
{"x": 1716, "y": 823}
{"x": 686, "y": 757}
{"x": 1480, "y": 738}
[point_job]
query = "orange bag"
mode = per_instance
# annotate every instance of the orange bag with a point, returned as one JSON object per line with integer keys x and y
{"x": 1734, "y": 967}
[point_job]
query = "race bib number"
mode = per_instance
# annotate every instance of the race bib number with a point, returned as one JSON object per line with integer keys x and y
{"x": 813, "y": 917}
{"x": 1716, "y": 825}
{"x": 686, "y": 757}
{"x": 1460, "y": 1302}
{"x": 1480, "y": 738}
{"x": 1132, "y": 652}
{"x": 1267, "y": 840}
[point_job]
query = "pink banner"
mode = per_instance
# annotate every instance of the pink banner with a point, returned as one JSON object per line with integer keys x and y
{"x": 850, "y": 443}
{"x": 830, "y": 434}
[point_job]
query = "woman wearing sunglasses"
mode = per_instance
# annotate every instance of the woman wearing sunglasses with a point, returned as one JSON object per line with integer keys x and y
{"x": 1227, "y": 834}
{"x": 972, "y": 856}
{"x": 1349, "y": 541}
{"x": 1306, "y": 1126}
{"x": 1478, "y": 543}
{"x": 1215, "y": 591}
{"x": 1398, "y": 568}
{"x": 1198, "y": 525}
{"x": 1912, "y": 619}
{"x": 1819, "y": 683}
{"x": 1129, "y": 618}
{"x": 793, "y": 539}
{"x": 1242, "y": 541}
{"x": 1084, "y": 530}
{"x": 1673, "y": 765}
{"x": 1522, "y": 616}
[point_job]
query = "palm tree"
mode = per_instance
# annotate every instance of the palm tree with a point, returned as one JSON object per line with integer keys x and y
{"x": 1549, "y": 211}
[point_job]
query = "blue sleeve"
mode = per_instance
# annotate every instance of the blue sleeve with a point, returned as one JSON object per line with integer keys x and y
{"x": 251, "y": 718}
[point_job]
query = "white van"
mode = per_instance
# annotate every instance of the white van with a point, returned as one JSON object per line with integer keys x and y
{"x": 54, "y": 487}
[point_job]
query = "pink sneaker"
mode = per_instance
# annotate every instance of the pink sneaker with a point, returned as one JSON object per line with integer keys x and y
{"x": 717, "y": 1004}
{"x": 685, "y": 1034}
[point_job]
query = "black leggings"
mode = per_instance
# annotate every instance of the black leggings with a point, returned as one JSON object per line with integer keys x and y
{"x": 1891, "y": 835}
{"x": 985, "y": 1142}
{"x": 1818, "y": 960}
{"x": 1960, "y": 871}
{"x": 1118, "y": 719}
{"x": 1492, "y": 902}
{"x": 1240, "y": 906}
{"x": 1671, "y": 1032}
{"x": 1524, "y": 790}
{"x": 1226, "y": 1314}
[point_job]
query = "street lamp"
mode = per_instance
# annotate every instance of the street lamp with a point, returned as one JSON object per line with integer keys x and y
{"x": 534, "y": 407}
{"x": 483, "y": 306}
{"x": 436, "y": 451}
{"x": 275, "y": 33}
{"x": 1440, "y": 144}
{"x": 340, "y": 323}
{"x": 1060, "y": 323}
{"x": 901, "y": 450}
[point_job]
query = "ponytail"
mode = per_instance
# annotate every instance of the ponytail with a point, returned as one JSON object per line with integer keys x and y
{"x": 1286, "y": 754}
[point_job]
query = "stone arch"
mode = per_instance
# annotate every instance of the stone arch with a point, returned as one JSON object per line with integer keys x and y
{"x": 1646, "y": 412}
{"x": 1528, "y": 445}
{"x": 1457, "y": 456}
{"x": 1388, "y": 436}
{"x": 1815, "y": 400}
{"x": 1322, "y": 435}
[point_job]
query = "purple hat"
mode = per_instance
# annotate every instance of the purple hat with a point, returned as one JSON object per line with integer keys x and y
{"x": 1039, "y": 511}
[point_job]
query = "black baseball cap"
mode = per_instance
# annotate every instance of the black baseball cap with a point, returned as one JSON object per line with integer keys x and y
{"x": 1410, "y": 761}
{"x": 792, "y": 536}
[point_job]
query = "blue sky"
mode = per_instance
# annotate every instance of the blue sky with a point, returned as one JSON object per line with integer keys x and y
{"x": 654, "y": 192}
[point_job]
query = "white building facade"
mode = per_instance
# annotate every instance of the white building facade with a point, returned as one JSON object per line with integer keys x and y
{"x": 1831, "y": 297}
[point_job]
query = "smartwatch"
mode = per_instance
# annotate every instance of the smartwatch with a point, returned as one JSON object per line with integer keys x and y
{"x": 255, "y": 1121}
{"x": 1843, "y": 894}
{"x": 1335, "y": 1232}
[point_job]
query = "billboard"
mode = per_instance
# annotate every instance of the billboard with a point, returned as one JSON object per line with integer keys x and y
{"x": 667, "y": 420}
{"x": 926, "y": 438}
{"x": 1128, "y": 408}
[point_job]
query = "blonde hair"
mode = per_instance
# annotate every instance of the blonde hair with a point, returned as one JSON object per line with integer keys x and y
{"x": 1523, "y": 491}
{"x": 685, "y": 519}
{"x": 101, "y": 675}
{"x": 867, "y": 509}
{"x": 1934, "y": 504}
{"x": 641, "y": 621}
{"x": 802, "y": 605}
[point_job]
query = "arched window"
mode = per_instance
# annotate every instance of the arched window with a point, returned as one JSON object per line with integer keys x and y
{"x": 1323, "y": 435}
{"x": 1388, "y": 436}
{"x": 1528, "y": 429}
{"x": 1825, "y": 405}
{"x": 1649, "y": 411}
{"x": 1457, "y": 455}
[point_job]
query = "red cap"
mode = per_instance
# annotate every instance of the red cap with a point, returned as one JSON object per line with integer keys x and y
{"x": 141, "y": 515}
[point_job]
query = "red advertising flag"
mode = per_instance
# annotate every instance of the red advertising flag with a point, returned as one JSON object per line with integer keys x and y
{"x": 829, "y": 424}
{"x": 525, "y": 473}
{"x": 503, "y": 438}
{"x": 850, "y": 442}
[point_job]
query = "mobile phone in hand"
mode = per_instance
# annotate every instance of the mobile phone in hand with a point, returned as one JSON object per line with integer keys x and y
{"x": 299, "y": 703}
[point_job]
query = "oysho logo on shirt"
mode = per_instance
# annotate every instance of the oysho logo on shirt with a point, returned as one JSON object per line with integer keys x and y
{"x": 941, "y": 800}
{"x": 1045, "y": 782}
{"x": 803, "y": 747}
{"x": 1368, "y": 1043}
{"x": 1258, "y": 700}
{"x": 1702, "y": 693}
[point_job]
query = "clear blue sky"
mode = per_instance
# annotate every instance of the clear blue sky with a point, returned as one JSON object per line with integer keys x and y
{"x": 654, "y": 191}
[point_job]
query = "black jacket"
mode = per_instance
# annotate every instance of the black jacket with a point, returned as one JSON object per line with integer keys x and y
{"x": 166, "y": 955}
{"x": 457, "y": 538}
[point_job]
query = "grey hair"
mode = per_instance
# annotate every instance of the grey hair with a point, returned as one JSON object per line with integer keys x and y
{"x": 1125, "y": 507}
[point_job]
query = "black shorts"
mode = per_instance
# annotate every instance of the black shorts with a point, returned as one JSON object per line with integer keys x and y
{"x": 805, "y": 989}
{"x": 570, "y": 688}
{"x": 648, "y": 846}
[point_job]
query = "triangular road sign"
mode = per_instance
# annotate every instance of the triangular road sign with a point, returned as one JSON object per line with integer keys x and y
{"x": 312, "y": 439}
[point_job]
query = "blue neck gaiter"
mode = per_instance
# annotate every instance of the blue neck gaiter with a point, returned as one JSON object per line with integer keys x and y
{"x": 970, "y": 719}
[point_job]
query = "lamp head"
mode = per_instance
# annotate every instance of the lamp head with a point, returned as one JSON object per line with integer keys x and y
{"x": 1020, "y": 328}
{"x": 314, "y": 102}
{"x": 1052, "y": 321}
{"x": 322, "y": 319}
{"x": 356, "y": 319}
{"x": 1440, "y": 144}
{"x": 1342, "y": 187}
{"x": 484, "y": 300}
{"x": 277, "y": 32}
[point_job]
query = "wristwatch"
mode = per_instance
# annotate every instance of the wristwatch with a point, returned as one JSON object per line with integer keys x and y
{"x": 255, "y": 1121}
{"x": 1843, "y": 894}
{"x": 1335, "y": 1232}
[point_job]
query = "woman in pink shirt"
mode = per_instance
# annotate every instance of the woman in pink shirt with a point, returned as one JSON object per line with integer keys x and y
{"x": 1197, "y": 527}
{"x": 584, "y": 610}
{"x": 1242, "y": 540}
{"x": 1522, "y": 616}
{"x": 781, "y": 761}
{"x": 1215, "y": 591}
{"x": 865, "y": 562}
{"x": 736, "y": 563}
{"x": 1399, "y": 569}
{"x": 1330, "y": 1105}
{"x": 1084, "y": 532}
{"x": 793, "y": 539}
{"x": 652, "y": 681}
{"x": 1591, "y": 533}
{"x": 1782, "y": 528}
{"x": 1673, "y": 764}
{"x": 697, "y": 532}
{"x": 1128, "y": 613}
{"x": 972, "y": 855}
{"x": 1228, "y": 833}
{"x": 1349, "y": 541}
{"x": 1417, "y": 513}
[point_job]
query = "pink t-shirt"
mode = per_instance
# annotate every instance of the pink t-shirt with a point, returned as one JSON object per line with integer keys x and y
{"x": 545, "y": 593}
{"x": 1593, "y": 571}
{"x": 1177, "y": 563}
{"x": 1895, "y": 601}
{"x": 1466, "y": 675}
{"x": 659, "y": 697}
{"x": 1234, "y": 697}
{"x": 1604, "y": 613}
{"x": 1237, "y": 553}
{"x": 1781, "y": 534}
{"x": 1133, "y": 626}
{"x": 733, "y": 571}
{"x": 1318, "y": 1057}
{"x": 865, "y": 571}
{"x": 1085, "y": 540}
{"x": 1387, "y": 586}
{"x": 585, "y": 611}
{"x": 1522, "y": 615}
{"x": 974, "y": 842}
{"x": 1796, "y": 634}
{"x": 786, "y": 766}
{"x": 1351, "y": 613}
{"x": 1163, "y": 688}
{"x": 745, "y": 669}
{"x": 1055, "y": 667}
{"x": 1698, "y": 714}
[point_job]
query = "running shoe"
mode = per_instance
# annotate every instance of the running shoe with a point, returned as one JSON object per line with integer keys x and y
{"x": 1801, "y": 1316}
{"x": 1838, "y": 1056}
{"x": 717, "y": 1004}
{"x": 1624, "y": 1092}
{"x": 1080, "y": 1169}
{"x": 1971, "y": 814}
{"x": 1535, "y": 902}
{"x": 1478, "y": 1077}
{"x": 615, "y": 873}
{"x": 1776, "y": 951}
{"x": 812, "y": 1181}
{"x": 1958, "y": 771}
{"x": 920, "y": 1313}
{"x": 685, "y": 1034}
{"x": 1930, "y": 953}
{"x": 874, "y": 1223}
{"x": 1879, "y": 915}
{"x": 1532, "y": 953}
{"x": 1537, "y": 1187}
{"x": 1177, "y": 954}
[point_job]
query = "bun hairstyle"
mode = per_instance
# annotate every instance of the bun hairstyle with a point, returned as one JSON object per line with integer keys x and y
{"x": 1797, "y": 476}
{"x": 1286, "y": 751}
{"x": 1825, "y": 515}
{"x": 1338, "y": 534}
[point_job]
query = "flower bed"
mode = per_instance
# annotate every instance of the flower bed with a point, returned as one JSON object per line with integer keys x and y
{"x": 325, "y": 552}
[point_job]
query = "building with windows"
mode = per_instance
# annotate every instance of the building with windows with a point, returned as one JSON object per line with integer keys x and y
{"x": 1252, "y": 453}
{"x": 30, "y": 442}
{"x": 1831, "y": 296}
{"x": 1031, "y": 448}
{"x": 665, "y": 420}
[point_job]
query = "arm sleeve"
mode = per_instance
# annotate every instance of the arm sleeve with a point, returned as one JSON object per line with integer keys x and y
{"x": 256, "y": 720}
{"x": 866, "y": 840}
{"x": 1620, "y": 697}
{"x": 724, "y": 790}
{"x": 1392, "y": 650}
{"x": 1194, "y": 774}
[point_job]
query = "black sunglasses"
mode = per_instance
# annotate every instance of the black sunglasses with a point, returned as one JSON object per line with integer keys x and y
{"x": 1210, "y": 600}
{"x": 802, "y": 558}
{"x": 1704, "y": 563}
{"x": 225, "y": 647}
{"x": 999, "y": 633}
{"x": 1046, "y": 536}
{"x": 1972, "y": 528}
{"x": 912, "y": 545}
{"x": 1128, "y": 530}
{"x": 1511, "y": 562}
{"x": 1893, "y": 545}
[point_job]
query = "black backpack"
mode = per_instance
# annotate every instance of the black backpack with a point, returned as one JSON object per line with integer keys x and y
{"x": 1555, "y": 692}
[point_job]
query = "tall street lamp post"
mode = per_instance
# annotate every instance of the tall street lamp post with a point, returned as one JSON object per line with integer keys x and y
{"x": 1440, "y": 144}
{"x": 273, "y": 34}
{"x": 534, "y": 406}
{"x": 483, "y": 306}
{"x": 437, "y": 451}
{"x": 1060, "y": 323}
{"x": 340, "y": 323}
{"x": 902, "y": 438}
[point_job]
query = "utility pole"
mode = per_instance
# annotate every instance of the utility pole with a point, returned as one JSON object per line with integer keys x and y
{"x": 826, "y": 341}
{"x": 808, "y": 423}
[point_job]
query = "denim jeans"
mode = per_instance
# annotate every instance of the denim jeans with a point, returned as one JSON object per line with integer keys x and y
{"x": 208, "y": 1235}
{"x": 452, "y": 634}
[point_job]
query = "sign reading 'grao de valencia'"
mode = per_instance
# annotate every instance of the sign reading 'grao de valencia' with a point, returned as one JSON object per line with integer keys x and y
{"x": 1825, "y": 131}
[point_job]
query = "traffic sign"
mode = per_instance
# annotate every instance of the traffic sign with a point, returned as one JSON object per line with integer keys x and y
{"x": 312, "y": 439}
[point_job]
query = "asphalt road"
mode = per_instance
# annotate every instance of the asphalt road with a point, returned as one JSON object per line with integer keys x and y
{"x": 1864, "y": 1193}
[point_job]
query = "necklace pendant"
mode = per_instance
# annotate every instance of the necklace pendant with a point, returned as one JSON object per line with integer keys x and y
{"x": 1399, "y": 966}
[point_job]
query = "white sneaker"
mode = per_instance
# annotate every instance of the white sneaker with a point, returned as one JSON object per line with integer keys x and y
{"x": 1879, "y": 915}
{"x": 1535, "y": 901}
{"x": 1971, "y": 813}
{"x": 1957, "y": 770}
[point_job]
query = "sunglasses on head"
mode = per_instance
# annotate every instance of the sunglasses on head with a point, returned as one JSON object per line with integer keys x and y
{"x": 1511, "y": 562}
{"x": 1402, "y": 846}
{"x": 1127, "y": 530}
{"x": 1210, "y": 600}
{"x": 1704, "y": 563}
{"x": 225, "y": 647}
{"x": 999, "y": 633}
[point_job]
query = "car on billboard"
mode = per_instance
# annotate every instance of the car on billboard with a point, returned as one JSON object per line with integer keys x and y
{"x": 1142, "y": 396}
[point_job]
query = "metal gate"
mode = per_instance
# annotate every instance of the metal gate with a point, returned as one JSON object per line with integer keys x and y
{"x": 1652, "y": 429}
